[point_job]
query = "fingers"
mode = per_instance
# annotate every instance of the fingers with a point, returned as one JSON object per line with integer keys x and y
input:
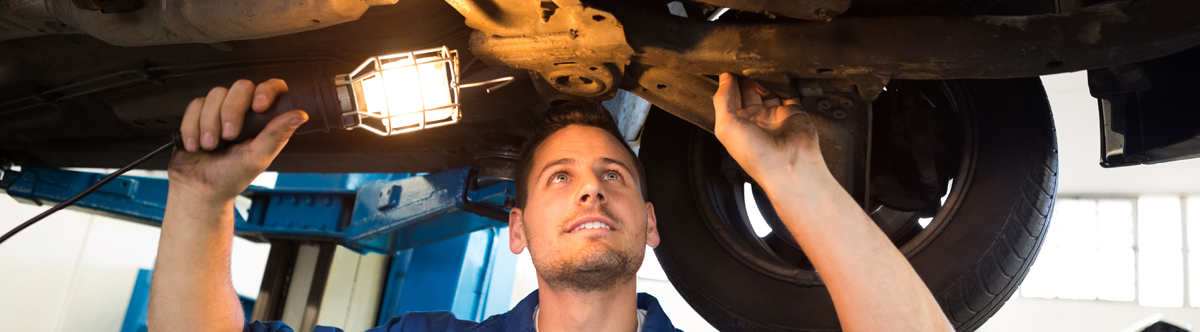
{"x": 276, "y": 134}
{"x": 751, "y": 113}
{"x": 210, "y": 118}
{"x": 266, "y": 92}
{"x": 762, "y": 91}
{"x": 233, "y": 109}
{"x": 783, "y": 113}
{"x": 221, "y": 113}
{"x": 750, "y": 95}
{"x": 790, "y": 106}
{"x": 190, "y": 128}
{"x": 793, "y": 115}
{"x": 769, "y": 99}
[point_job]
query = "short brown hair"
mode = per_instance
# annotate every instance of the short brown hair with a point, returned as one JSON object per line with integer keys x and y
{"x": 590, "y": 114}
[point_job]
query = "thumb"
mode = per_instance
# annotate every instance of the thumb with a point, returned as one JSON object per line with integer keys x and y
{"x": 727, "y": 100}
{"x": 276, "y": 134}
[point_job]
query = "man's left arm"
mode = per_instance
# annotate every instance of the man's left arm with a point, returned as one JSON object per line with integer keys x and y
{"x": 873, "y": 286}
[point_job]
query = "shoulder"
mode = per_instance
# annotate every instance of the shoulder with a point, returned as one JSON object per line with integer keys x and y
{"x": 445, "y": 321}
{"x": 434, "y": 321}
{"x": 425, "y": 321}
{"x": 271, "y": 326}
{"x": 278, "y": 326}
{"x": 656, "y": 319}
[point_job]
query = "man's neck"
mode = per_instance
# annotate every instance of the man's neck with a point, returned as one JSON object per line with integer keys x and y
{"x": 563, "y": 310}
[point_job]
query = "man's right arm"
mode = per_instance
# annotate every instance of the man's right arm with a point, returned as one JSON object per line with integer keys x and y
{"x": 192, "y": 288}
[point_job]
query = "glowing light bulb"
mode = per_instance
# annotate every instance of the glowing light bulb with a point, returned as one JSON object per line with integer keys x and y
{"x": 408, "y": 91}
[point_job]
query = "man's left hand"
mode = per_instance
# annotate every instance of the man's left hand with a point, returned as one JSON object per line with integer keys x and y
{"x": 762, "y": 133}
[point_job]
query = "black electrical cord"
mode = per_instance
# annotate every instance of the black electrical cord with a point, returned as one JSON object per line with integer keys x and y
{"x": 311, "y": 97}
{"x": 85, "y": 192}
{"x": 252, "y": 125}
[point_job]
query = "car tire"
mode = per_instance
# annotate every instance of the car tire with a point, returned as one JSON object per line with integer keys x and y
{"x": 988, "y": 230}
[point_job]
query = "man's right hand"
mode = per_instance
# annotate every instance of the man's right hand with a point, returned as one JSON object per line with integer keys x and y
{"x": 219, "y": 176}
{"x": 191, "y": 290}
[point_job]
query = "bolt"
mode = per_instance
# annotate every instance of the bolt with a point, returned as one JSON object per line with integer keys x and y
{"x": 732, "y": 176}
{"x": 928, "y": 174}
{"x": 839, "y": 114}
{"x": 824, "y": 104}
{"x": 847, "y": 103}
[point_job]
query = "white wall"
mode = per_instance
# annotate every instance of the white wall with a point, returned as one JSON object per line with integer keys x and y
{"x": 37, "y": 269}
{"x": 75, "y": 272}
{"x": 1032, "y": 314}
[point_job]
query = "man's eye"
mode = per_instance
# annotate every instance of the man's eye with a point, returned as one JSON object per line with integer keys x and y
{"x": 612, "y": 176}
{"x": 559, "y": 178}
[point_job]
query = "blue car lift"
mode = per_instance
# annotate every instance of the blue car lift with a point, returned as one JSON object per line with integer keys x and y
{"x": 440, "y": 230}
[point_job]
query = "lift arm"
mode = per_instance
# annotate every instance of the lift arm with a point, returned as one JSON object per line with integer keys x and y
{"x": 378, "y": 216}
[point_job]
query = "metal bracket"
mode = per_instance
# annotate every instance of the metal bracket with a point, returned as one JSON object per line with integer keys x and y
{"x": 392, "y": 216}
{"x": 379, "y": 216}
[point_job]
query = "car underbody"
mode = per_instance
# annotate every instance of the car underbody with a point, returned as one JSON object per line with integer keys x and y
{"x": 95, "y": 95}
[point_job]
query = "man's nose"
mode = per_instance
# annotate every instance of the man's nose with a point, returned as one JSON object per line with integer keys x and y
{"x": 591, "y": 193}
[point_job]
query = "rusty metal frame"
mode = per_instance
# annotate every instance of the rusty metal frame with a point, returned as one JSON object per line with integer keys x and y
{"x": 573, "y": 48}
{"x": 919, "y": 47}
{"x": 573, "y": 36}
{"x": 576, "y": 51}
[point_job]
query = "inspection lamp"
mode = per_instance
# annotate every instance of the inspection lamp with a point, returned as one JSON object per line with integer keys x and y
{"x": 387, "y": 95}
{"x": 403, "y": 92}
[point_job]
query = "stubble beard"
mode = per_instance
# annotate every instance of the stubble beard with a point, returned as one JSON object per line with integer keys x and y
{"x": 597, "y": 269}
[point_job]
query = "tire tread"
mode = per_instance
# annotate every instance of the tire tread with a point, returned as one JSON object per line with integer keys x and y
{"x": 1023, "y": 233}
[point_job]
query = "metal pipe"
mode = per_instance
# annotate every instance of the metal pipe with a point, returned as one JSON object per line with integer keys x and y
{"x": 818, "y": 10}
{"x": 178, "y": 21}
{"x": 920, "y": 47}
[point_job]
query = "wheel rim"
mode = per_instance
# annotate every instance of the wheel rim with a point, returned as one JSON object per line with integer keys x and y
{"x": 720, "y": 184}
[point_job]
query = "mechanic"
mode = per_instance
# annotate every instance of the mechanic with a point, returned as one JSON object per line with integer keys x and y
{"x": 581, "y": 210}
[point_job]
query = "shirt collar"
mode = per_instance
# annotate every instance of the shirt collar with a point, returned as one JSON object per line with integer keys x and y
{"x": 520, "y": 318}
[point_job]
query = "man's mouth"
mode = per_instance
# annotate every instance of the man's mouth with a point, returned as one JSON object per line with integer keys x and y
{"x": 594, "y": 222}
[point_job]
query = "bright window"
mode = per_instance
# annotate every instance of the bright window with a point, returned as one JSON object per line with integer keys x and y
{"x": 1120, "y": 249}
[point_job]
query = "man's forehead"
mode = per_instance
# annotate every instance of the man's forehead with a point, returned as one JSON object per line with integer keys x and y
{"x": 577, "y": 144}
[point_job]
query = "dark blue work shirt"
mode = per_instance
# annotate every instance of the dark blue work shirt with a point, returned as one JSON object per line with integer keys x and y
{"x": 519, "y": 319}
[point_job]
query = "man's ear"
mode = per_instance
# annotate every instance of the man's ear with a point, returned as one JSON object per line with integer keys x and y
{"x": 516, "y": 231}
{"x": 651, "y": 226}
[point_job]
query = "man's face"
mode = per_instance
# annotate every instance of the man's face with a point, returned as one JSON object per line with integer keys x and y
{"x": 585, "y": 222}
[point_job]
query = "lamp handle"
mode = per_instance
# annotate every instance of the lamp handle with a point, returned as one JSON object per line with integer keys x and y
{"x": 308, "y": 98}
